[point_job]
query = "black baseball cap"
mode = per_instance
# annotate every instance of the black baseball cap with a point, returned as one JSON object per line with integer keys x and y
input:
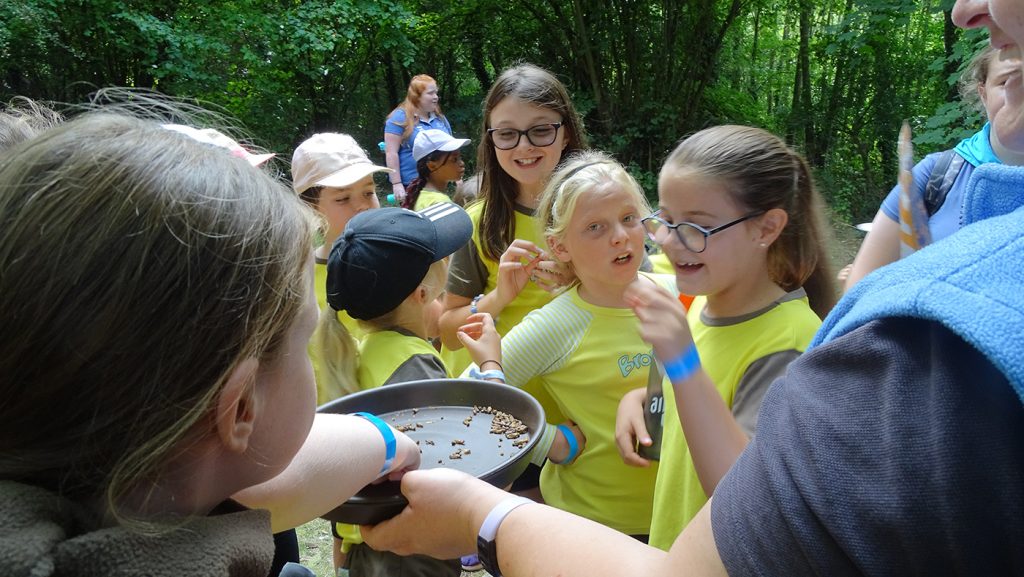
{"x": 384, "y": 254}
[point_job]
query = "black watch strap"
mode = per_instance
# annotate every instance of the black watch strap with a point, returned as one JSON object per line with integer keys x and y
{"x": 486, "y": 546}
{"x": 487, "y": 551}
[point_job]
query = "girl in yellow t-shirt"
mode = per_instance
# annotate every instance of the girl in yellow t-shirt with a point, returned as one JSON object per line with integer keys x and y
{"x": 583, "y": 347}
{"x": 763, "y": 288}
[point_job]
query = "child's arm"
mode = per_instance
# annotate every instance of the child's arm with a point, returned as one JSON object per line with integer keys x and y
{"x": 483, "y": 342}
{"x": 341, "y": 455}
{"x": 713, "y": 436}
{"x": 516, "y": 266}
{"x": 631, "y": 429}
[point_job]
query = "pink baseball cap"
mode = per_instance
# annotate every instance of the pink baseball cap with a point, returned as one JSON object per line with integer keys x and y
{"x": 217, "y": 138}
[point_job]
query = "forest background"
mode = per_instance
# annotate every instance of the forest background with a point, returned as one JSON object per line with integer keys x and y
{"x": 835, "y": 77}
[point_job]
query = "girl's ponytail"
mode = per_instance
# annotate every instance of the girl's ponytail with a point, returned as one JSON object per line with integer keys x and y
{"x": 412, "y": 192}
{"x": 339, "y": 355}
{"x": 799, "y": 257}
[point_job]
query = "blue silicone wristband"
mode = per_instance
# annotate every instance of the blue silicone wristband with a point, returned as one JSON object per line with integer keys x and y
{"x": 474, "y": 373}
{"x": 684, "y": 366}
{"x": 574, "y": 447}
{"x": 390, "y": 444}
{"x": 473, "y": 305}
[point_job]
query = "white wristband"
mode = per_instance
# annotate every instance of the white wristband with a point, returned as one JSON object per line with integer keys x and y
{"x": 489, "y": 529}
{"x": 486, "y": 547}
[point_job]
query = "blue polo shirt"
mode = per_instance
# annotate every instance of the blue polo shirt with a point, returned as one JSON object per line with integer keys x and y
{"x": 395, "y": 125}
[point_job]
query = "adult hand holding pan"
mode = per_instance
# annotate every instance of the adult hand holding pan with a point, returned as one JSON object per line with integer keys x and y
{"x": 452, "y": 421}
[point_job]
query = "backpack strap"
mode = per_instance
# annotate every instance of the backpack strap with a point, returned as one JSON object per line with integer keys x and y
{"x": 940, "y": 180}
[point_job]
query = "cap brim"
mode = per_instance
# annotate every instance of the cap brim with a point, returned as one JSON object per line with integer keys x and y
{"x": 350, "y": 175}
{"x": 454, "y": 227}
{"x": 453, "y": 144}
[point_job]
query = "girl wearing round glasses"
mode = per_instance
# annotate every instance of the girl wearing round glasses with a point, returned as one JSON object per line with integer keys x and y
{"x": 740, "y": 221}
{"x": 529, "y": 124}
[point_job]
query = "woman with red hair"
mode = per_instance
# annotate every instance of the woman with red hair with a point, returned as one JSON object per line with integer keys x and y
{"x": 418, "y": 111}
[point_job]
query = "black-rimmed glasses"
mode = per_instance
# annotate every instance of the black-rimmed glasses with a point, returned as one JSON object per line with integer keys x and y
{"x": 694, "y": 237}
{"x": 539, "y": 135}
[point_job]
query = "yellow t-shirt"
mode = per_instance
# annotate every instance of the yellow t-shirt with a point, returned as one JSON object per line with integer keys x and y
{"x": 387, "y": 357}
{"x": 397, "y": 356}
{"x": 728, "y": 348}
{"x": 587, "y": 357}
{"x": 660, "y": 263}
{"x": 430, "y": 198}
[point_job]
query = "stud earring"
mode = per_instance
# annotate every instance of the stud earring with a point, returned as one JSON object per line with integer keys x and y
{"x": 762, "y": 245}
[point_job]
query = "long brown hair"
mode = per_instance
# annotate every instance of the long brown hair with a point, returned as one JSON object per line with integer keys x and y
{"x": 417, "y": 86}
{"x": 498, "y": 190}
{"x": 761, "y": 173}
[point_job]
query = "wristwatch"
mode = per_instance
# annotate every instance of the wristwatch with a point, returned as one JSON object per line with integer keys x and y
{"x": 486, "y": 547}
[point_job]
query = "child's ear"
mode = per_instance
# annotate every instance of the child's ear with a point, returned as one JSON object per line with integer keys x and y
{"x": 558, "y": 249}
{"x": 238, "y": 407}
{"x": 770, "y": 225}
{"x": 420, "y": 294}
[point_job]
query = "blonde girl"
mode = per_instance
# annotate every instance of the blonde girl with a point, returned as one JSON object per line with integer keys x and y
{"x": 583, "y": 346}
{"x": 387, "y": 270}
{"x": 740, "y": 220}
{"x": 380, "y": 275}
{"x": 154, "y": 363}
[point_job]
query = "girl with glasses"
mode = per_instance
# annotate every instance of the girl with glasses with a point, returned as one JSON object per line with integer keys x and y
{"x": 740, "y": 221}
{"x": 529, "y": 125}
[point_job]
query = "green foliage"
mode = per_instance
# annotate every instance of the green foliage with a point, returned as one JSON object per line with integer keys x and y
{"x": 643, "y": 73}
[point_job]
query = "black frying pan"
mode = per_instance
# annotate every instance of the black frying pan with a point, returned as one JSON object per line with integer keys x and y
{"x": 438, "y": 412}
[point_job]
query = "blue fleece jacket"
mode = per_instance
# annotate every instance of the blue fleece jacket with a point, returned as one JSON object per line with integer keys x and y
{"x": 972, "y": 282}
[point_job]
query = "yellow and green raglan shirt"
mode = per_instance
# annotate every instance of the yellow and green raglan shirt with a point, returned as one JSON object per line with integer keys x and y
{"x": 742, "y": 356}
{"x": 430, "y": 198}
{"x": 472, "y": 273}
{"x": 587, "y": 357}
{"x": 324, "y": 395}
